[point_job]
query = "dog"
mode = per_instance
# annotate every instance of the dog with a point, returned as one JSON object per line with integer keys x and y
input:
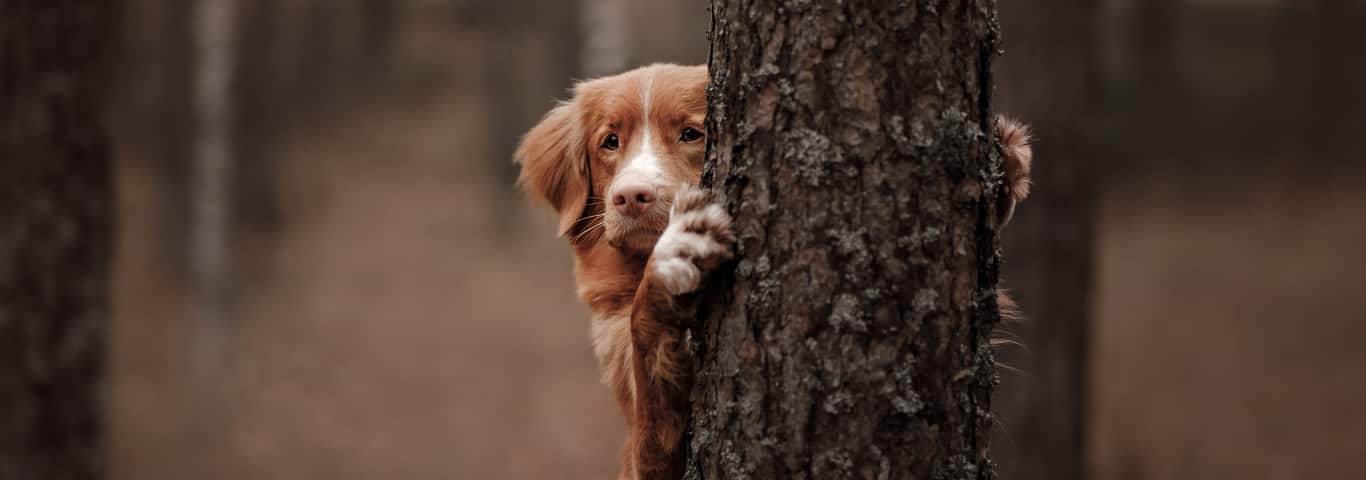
{"x": 618, "y": 163}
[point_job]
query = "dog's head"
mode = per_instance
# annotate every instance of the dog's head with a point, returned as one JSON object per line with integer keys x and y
{"x": 610, "y": 159}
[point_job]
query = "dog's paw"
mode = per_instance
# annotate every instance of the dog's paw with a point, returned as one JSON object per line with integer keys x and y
{"x": 697, "y": 240}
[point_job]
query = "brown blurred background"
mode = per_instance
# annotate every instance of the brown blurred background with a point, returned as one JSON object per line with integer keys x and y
{"x": 386, "y": 306}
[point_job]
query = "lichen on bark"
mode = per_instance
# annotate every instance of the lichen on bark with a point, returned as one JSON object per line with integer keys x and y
{"x": 853, "y": 145}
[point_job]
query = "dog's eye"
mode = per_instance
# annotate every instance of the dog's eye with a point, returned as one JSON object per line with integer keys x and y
{"x": 611, "y": 142}
{"x": 690, "y": 135}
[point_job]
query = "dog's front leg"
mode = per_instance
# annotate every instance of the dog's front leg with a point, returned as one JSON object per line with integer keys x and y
{"x": 697, "y": 240}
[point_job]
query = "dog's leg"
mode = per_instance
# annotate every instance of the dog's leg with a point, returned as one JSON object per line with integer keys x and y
{"x": 697, "y": 240}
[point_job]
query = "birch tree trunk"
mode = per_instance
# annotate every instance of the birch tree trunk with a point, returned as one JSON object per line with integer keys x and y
{"x": 854, "y": 144}
{"x": 55, "y": 235}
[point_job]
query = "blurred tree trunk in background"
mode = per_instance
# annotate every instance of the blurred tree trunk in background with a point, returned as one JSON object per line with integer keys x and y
{"x": 1160, "y": 128}
{"x": 175, "y": 129}
{"x": 603, "y": 23}
{"x": 379, "y": 17}
{"x": 291, "y": 78}
{"x": 287, "y": 79}
{"x": 1336, "y": 51}
{"x": 506, "y": 120}
{"x": 211, "y": 173}
{"x": 255, "y": 118}
{"x": 315, "y": 57}
{"x": 531, "y": 57}
{"x": 55, "y": 235}
{"x": 853, "y": 143}
{"x": 1048, "y": 78}
{"x": 168, "y": 135}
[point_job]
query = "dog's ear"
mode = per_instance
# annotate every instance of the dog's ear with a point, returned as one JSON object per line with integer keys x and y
{"x": 552, "y": 156}
{"x": 1019, "y": 156}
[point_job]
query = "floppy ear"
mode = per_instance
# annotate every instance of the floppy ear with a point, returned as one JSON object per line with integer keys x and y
{"x": 1019, "y": 156}
{"x": 552, "y": 157}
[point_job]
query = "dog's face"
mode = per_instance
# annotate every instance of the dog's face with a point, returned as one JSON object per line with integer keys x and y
{"x": 610, "y": 159}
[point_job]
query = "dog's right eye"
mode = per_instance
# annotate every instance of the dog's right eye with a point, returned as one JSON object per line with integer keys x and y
{"x": 611, "y": 142}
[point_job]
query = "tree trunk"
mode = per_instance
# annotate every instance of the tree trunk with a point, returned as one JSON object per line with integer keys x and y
{"x": 1159, "y": 127}
{"x": 170, "y": 132}
{"x": 604, "y": 24}
{"x": 530, "y": 59}
{"x": 1048, "y": 77}
{"x": 1337, "y": 29}
{"x": 55, "y": 235}
{"x": 381, "y": 18}
{"x": 256, "y": 117}
{"x": 854, "y": 145}
{"x": 211, "y": 171}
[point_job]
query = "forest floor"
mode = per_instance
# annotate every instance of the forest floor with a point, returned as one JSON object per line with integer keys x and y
{"x": 1229, "y": 327}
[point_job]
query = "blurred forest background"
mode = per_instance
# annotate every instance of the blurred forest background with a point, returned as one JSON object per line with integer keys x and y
{"x": 324, "y": 271}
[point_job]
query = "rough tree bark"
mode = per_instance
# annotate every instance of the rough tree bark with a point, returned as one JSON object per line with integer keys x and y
{"x": 853, "y": 142}
{"x": 1048, "y": 77}
{"x": 55, "y": 195}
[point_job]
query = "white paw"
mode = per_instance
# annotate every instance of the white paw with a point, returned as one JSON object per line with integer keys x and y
{"x": 678, "y": 275}
{"x": 697, "y": 239}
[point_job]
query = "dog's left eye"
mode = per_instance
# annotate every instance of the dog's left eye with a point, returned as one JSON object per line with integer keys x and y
{"x": 690, "y": 135}
{"x": 611, "y": 142}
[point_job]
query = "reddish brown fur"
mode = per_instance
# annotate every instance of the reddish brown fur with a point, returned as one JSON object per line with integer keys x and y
{"x": 1019, "y": 159}
{"x": 638, "y": 324}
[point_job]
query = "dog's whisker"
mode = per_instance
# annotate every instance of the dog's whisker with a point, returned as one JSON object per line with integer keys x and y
{"x": 589, "y": 218}
{"x": 586, "y": 233}
{"x": 591, "y": 228}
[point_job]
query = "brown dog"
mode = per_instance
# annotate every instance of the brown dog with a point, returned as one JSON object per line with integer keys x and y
{"x": 618, "y": 163}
